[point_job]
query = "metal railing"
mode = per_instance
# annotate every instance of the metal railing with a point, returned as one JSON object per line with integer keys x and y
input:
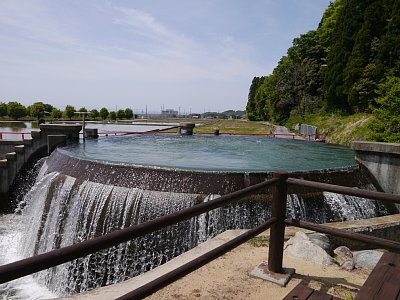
{"x": 276, "y": 223}
{"x": 14, "y": 133}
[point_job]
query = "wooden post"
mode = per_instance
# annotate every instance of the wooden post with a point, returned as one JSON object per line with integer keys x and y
{"x": 277, "y": 233}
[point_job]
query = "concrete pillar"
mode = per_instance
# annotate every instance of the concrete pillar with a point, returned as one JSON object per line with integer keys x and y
{"x": 186, "y": 128}
{"x": 53, "y": 141}
{"x": 12, "y": 166}
{"x": 91, "y": 133}
{"x": 3, "y": 176}
{"x": 38, "y": 141}
{"x": 20, "y": 158}
{"x": 36, "y": 134}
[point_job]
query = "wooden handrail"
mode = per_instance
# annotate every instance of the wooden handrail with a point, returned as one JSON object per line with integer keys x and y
{"x": 277, "y": 222}
{"x": 56, "y": 257}
{"x": 345, "y": 190}
{"x": 368, "y": 239}
{"x": 164, "y": 280}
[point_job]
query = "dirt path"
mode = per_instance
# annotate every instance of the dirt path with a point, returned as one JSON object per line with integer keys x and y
{"x": 278, "y": 129}
{"x": 228, "y": 278}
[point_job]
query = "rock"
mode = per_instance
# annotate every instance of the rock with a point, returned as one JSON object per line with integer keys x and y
{"x": 367, "y": 259}
{"x": 343, "y": 254}
{"x": 347, "y": 265}
{"x": 321, "y": 240}
{"x": 343, "y": 251}
{"x": 302, "y": 247}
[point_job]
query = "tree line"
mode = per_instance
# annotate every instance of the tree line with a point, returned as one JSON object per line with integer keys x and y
{"x": 38, "y": 110}
{"x": 349, "y": 64}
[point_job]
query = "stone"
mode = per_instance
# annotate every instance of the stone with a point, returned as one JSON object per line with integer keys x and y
{"x": 302, "y": 247}
{"x": 321, "y": 240}
{"x": 347, "y": 265}
{"x": 343, "y": 254}
{"x": 367, "y": 259}
{"x": 343, "y": 251}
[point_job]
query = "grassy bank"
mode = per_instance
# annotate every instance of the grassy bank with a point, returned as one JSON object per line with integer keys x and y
{"x": 338, "y": 129}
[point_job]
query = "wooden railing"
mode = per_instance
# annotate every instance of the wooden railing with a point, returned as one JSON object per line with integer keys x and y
{"x": 276, "y": 223}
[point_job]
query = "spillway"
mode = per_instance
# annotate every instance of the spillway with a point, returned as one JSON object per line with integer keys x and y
{"x": 87, "y": 190}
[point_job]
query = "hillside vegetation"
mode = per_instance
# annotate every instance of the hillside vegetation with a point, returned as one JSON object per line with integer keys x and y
{"x": 349, "y": 66}
{"x": 339, "y": 129}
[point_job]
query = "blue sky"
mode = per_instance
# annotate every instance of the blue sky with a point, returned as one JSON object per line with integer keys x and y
{"x": 196, "y": 55}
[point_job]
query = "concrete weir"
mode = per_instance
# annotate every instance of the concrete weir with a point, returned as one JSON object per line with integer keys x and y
{"x": 184, "y": 181}
{"x": 15, "y": 153}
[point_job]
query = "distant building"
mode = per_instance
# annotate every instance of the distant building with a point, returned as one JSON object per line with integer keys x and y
{"x": 169, "y": 113}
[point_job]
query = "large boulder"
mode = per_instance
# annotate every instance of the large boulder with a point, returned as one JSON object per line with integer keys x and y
{"x": 321, "y": 240}
{"x": 366, "y": 259}
{"x": 303, "y": 247}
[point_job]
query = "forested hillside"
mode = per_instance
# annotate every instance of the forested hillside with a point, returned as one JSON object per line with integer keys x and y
{"x": 349, "y": 64}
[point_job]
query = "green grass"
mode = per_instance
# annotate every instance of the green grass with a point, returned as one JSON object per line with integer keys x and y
{"x": 338, "y": 129}
{"x": 259, "y": 241}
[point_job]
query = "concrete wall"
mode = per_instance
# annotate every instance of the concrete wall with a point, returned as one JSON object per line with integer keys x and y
{"x": 307, "y": 129}
{"x": 14, "y": 154}
{"x": 387, "y": 227}
{"x": 383, "y": 162}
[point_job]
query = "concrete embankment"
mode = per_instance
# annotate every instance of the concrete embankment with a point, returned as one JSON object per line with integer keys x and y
{"x": 15, "y": 153}
{"x": 383, "y": 162}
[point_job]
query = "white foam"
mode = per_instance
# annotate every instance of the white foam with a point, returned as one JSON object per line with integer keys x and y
{"x": 10, "y": 239}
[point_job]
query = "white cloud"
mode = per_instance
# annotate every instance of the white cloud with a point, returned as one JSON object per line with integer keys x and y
{"x": 73, "y": 49}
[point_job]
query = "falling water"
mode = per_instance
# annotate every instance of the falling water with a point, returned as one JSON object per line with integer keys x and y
{"x": 326, "y": 207}
{"x": 61, "y": 210}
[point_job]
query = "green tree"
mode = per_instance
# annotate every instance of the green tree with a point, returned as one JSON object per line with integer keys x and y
{"x": 56, "y": 113}
{"x": 336, "y": 68}
{"x": 121, "y": 114}
{"x": 69, "y": 111}
{"x": 37, "y": 110}
{"x": 251, "y": 101}
{"x": 128, "y": 113}
{"x": 3, "y": 109}
{"x": 112, "y": 116}
{"x": 360, "y": 74}
{"x": 16, "y": 110}
{"x": 48, "y": 108}
{"x": 103, "y": 113}
{"x": 327, "y": 25}
{"x": 94, "y": 113}
{"x": 82, "y": 109}
{"x": 386, "y": 128}
{"x": 349, "y": 22}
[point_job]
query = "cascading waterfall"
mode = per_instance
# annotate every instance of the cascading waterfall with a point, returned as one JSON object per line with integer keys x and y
{"x": 61, "y": 210}
{"x": 329, "y": 207}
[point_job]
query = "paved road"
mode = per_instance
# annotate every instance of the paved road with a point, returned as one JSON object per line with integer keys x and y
{"x": 286, "y": 134}
{"x": 280, "y": 130}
